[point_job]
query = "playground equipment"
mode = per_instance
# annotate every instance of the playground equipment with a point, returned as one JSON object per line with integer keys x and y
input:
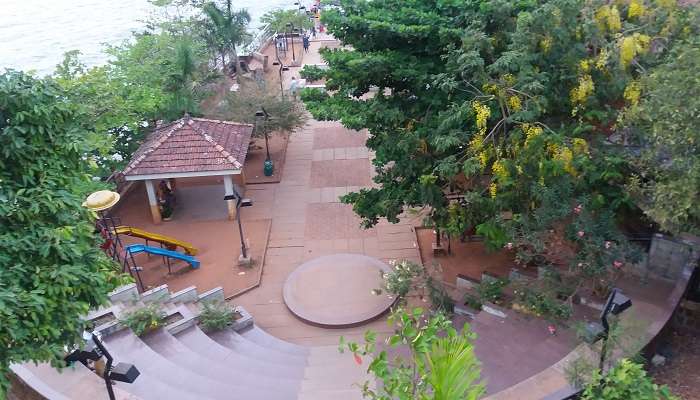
{"x": 99, "y": 202}
{"x": 133, "y": 268}
{"x": 169, "y": 242}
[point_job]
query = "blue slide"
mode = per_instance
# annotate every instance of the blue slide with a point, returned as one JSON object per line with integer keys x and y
{"x": 140, "y": 248}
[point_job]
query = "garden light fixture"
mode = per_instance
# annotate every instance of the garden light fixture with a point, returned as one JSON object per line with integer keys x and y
{"x": 240, "y": 202}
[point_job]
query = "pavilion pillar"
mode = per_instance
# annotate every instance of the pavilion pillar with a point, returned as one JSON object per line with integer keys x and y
{"x": 153, "y": 201}
{"x": 228, "y": 190}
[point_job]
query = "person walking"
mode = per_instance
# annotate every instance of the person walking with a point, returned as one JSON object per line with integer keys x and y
{"x": 294, "y": 88}
{"x": 313, "y": 30}
{"x": 305, "y": 41}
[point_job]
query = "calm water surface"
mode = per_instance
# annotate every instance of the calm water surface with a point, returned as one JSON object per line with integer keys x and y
{"x": 34, "y": 34}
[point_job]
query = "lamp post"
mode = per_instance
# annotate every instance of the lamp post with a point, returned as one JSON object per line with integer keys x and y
{"x": 282, "y": 68}
{"x": 122, "y": 372}
{"x": 616, "y": 304}
{"x": 244, "y": 258}
{"x": 261, "y": 118}
{"x": 291, "y": 30}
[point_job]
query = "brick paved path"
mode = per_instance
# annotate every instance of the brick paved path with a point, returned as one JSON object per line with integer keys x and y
{"x": 324, "y": 161}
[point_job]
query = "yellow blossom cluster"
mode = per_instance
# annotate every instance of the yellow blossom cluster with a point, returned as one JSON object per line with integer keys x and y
{"x": 490, "y": 88}
{"x": 585, "y": 88}
{"x": 499, "y": 170}
{"x": 602, "y": 60}
{"x": 552, "y": 149}
{"x": 608, "y": 17}
{"x": 493, "y": 190}
{"x": 483, "y": 112}
{"x": 632, "y": 92}
{"x": 631, "y": 46}
{"x": 514, "y": 103}
{"x": 584, "y": 66}
{"x": 580, "y": 146}
{"x": 566, "y": 156}
{"x": 483, "y": 159}
{"x": 636, "y": 9}
{"x": 546, "y": 44}
{"x": 509, "y": 79}
{"x": 531, "y": 132}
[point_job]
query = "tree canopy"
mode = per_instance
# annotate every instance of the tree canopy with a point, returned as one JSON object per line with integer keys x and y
{"x": 52, "y": 270}
{"x": 479, "y": 109}
{"x": 276, "y": 21}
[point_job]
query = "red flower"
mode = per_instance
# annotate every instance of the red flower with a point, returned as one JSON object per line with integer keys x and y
{"x": 358, "y": 359}
{"x": 617, "y": 264}
{"x": 581, "y": 233}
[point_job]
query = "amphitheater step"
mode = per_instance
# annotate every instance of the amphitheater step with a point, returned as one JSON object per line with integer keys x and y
{"x": 234, "y": 370}
{"x": 227, "y": 344}
{"x": 329, "y": 370}
{"x": 259, "y": 336}
{"x": 186, "y": 380}
{"x": 72, "y": 383}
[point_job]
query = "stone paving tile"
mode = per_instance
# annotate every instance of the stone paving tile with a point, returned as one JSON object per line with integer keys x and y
{"x": 337, "y": 136}
{"x": 340, "y": 173}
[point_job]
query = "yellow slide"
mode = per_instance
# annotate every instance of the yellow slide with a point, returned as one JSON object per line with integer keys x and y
{"x": 170, "y": 243}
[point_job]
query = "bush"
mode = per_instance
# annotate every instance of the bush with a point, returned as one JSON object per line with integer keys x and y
{"x": 491, "y": 290}
{"x": 215, "y": 316}
{"x": 144, "y": 319}
{"x": 312, "y": 73}
{"x": 542, "y": 303}
{"x": 626, "y": 380}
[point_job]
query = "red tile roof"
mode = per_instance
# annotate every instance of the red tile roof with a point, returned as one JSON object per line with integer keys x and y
{"x": 192, "y": 145}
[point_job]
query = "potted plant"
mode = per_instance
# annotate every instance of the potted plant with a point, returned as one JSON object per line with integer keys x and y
{"x": 217, "y": 315}
{"x": 144, "y": 319}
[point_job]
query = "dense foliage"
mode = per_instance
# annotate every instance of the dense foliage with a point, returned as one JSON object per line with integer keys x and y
{"x": 277, "y": 21}
{"x": 441, "y": 365}
{"x": 626, "y": 380}
{"x": 665, "y": 124}
{"x": 479, "y": 109}
{"x": 52, "y": 270}
{"x": 144, "y": 319}
{"x": 215, "y": 316}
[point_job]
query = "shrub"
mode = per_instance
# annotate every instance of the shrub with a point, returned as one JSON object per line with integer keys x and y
{"x": 542, "y": 303}
{"x": 491, "y": 290}
{"x": 216, "y": 315}
{"x": 144, "y": 319}
{"x": 626, "y": 380}
{"x": 312, "y": 73}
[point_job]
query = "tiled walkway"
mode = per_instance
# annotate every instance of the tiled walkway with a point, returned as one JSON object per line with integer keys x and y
{"x": 324, "y": 161}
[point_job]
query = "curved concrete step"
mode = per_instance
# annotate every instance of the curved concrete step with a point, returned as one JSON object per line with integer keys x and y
{"x": 75, "y": 382}
{"x": 264, "y": 339}
{"x": 349, "y": 394}
{"x": 127, "y": 347}
{"x": 257, "y": 378}
{"x": 232, "y": 341}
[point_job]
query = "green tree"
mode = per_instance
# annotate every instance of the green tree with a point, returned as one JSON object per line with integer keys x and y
{"x": 664, "y": 123}
{"x": 228, "y": 29}
{"x": 275, "y": 21}
{"x": 53, "y": 271}
{"x": 149, "y": 78}
{"x": 626, "y": 380}
{"x": 441, "y": 365}
{"x": 508, "y": 105}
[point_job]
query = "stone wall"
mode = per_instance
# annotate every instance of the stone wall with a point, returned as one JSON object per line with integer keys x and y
{"x": 668, "y": 256}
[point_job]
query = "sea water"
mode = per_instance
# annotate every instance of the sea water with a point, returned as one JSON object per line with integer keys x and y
{"x": 34, "y": 34}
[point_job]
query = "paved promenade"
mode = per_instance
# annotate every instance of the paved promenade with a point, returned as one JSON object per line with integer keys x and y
{"x": 324, "y": 161}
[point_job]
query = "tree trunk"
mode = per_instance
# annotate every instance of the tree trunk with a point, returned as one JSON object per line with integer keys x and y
{"x": 237, "y": 64}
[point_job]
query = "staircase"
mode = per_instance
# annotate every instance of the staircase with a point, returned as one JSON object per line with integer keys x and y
{"x": 180, "y": 361}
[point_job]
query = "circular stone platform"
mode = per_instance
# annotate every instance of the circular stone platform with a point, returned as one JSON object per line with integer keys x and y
{"x": 335, "y": 291}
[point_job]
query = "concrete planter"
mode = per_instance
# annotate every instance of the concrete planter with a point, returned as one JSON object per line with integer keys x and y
{"x": 245, "y": 320}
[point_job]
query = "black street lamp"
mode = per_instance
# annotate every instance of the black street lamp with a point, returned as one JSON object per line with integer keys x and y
{"x": 240, "y": 202}
{"x": 122, "y": 372}
{"x": 616, "y": 304}
{"x": 282, "y": 68}
{"x": 291, "y": 29}
{"x": 261, "y": 117}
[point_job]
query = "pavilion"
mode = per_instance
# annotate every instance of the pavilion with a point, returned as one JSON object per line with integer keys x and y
{"x": 188, "y": 148}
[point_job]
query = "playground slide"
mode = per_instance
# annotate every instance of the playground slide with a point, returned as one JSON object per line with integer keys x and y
{"x": 169, "y": 242}
{"x": 141, "y": 248}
